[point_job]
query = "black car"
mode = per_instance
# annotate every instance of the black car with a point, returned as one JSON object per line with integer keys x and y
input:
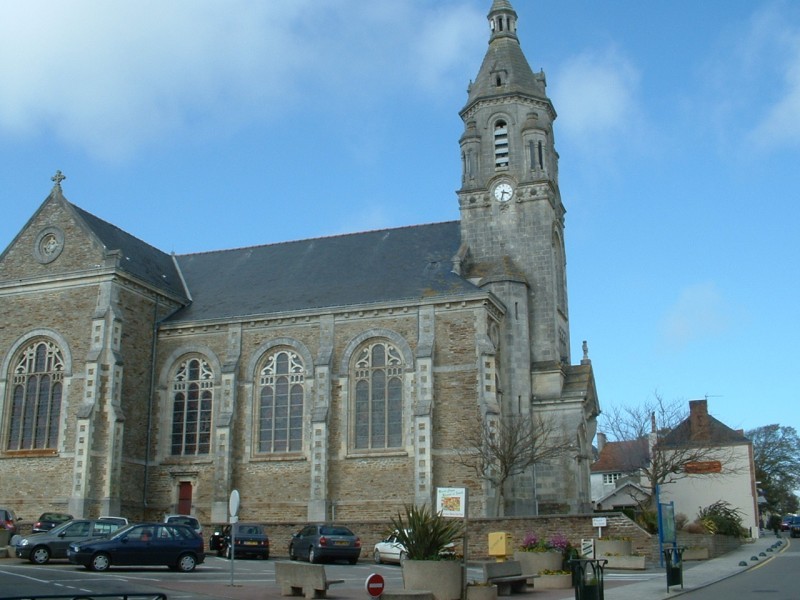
{"x": 48, "y": 520}
{"x": 175, "y": 546}
{"x": 794, "y": 527}
{"x": 316, "y": 543}
{"x": 250, "y": 539}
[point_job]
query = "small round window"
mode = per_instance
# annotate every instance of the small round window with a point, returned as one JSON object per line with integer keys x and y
{"x": 49, "y": 244}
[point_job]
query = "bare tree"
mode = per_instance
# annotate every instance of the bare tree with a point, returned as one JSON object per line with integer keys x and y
{"x": 659, "y": 428}
{"x": 498, "y": 449}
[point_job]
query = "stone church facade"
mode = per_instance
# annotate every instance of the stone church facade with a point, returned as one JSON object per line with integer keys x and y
{"x": 331, "y": 378}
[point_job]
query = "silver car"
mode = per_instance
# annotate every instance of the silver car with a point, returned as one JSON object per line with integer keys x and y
{"x": 39, "y": 548}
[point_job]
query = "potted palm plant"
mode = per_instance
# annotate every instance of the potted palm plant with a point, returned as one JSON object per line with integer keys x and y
{"x": 428, "y": 540}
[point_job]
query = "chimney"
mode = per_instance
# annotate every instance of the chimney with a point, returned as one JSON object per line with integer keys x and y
{"x": 698, "y": 420}
{"x": 601, "y": 442}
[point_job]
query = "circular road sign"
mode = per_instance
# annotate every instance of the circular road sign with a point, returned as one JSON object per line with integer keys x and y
{"x": 375, "y": 584}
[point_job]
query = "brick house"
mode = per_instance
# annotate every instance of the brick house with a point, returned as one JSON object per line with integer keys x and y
{"x": 322, "y": 378}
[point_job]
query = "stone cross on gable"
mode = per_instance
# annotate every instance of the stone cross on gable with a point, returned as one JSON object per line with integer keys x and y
{"x": 58, "y": 178}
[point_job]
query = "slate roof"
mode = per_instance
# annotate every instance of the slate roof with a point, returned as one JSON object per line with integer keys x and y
{"x": 139, "y": 259}
{"x": 713, "y": 433}
{"x": 622, "y": 457}
{"x": 391, "y": 265}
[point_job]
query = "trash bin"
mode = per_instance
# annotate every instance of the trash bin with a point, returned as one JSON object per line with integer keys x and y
{"x": 673, "y": 560}
{"x": 587, "y": 578}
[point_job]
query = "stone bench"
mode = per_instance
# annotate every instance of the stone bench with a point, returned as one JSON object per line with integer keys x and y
{"x": 507, "y": 576}
{"x": 303, "y": 579}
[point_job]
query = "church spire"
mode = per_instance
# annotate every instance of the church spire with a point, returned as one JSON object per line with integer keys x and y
{"x": 503, "y": 19}
{"x": 505, "y": 70}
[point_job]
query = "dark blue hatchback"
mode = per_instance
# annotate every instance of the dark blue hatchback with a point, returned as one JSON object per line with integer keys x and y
{"x": 144, "y": 544}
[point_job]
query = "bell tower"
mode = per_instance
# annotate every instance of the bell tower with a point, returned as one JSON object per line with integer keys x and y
{"x": 512, "y": 218}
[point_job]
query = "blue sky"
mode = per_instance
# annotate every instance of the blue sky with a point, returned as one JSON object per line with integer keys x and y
{"x": 199, "y": 125}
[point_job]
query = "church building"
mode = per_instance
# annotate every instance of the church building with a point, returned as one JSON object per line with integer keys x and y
{"x": 330, "y": 378}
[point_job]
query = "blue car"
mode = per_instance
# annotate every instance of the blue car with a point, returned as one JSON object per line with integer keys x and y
{"x": 144, "y": 544}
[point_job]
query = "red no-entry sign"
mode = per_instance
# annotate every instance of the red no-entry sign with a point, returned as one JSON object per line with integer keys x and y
{"x": 375, "y": 584}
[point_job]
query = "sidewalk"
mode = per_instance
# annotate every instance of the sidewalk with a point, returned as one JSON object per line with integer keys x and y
{"x": 695, "y": 575}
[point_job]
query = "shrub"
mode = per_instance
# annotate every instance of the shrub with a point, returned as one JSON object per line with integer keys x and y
{"x": 722, "y": 518}
{"x": 425, "y": 533}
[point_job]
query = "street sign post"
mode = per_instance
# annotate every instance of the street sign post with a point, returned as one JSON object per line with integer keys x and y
{"x": 233, "y": 509}
{"x": 375, "y": 585}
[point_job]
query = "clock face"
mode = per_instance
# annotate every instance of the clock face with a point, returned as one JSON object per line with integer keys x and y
{"x": 503, "y": 192}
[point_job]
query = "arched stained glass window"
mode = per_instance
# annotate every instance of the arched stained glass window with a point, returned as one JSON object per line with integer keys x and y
{"x": 378, "y": 409}
{"x": 192, "y": 402}
{"x": 280, "y": 403}
{"x": 36, "y": 390}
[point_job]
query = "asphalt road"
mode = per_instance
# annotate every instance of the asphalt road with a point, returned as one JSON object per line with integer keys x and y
{"x": 19, "y": 577}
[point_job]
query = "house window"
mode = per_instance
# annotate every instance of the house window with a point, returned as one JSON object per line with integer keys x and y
{"x": 500, "y": 145}
{"x": 611, "y": 477}
{"x": 280, "y": 403}
{"x": 37, "y": 386}
{"x": 193, "y": 394}
{"x": 378, "y": 410}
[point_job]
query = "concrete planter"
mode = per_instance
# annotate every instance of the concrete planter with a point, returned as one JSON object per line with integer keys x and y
{"x": 441, "y": 577}
{"x": 606, "y": 548}
{"x": 481, "y": 592}
{"x": 553, "y": 582}
{"x": 536, "y": 562}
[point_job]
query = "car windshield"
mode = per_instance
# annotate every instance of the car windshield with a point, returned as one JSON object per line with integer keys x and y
{"x": 54, "y": 517}
{"x": 335, "y": 531}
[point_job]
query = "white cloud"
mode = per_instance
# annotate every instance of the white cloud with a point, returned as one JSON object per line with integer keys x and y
{"x": 596, "y": 95}
{"x": 699, "y": 312}
{"x": 112, "y": 78}
{"x": 775, "y": 42}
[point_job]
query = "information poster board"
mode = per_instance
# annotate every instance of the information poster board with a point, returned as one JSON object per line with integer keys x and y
{"x": 451, "y": 502}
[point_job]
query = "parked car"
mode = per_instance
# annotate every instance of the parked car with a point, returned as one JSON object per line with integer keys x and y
{"x": 250, "y": 539}
{"x": 39, "y": 548}
{"x": 48, "y": 520}
{"x": 8, "y": 521}
{"x": 185, "y": 520}
{"x": 393, "y": 551}
{"x": 389, "y": 550}
{"x": 319, "y": 542}
{"x": 785, "y": 522}
{"x": 794, "y": 527}
{"x": 173, "y": 545}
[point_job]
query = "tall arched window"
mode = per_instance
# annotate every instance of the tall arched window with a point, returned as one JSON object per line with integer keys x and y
{"x": 500, "y": 144}
{"x": 36, "y": 397}
{"x": 378, "y": 409}
{"x": 280, "y": 403}
{"x": 192, "y": 401}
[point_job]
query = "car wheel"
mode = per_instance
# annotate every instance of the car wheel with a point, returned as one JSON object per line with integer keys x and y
{"x": 377, "y": 556}
{"x": 292, "y": 555}
{"x": 40, "y": 555}
{"x": 352, "y": 561}
{"x": 187, "y": 563}
{"x": 101, "y": 562}
{"x": 312, "y": 555}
